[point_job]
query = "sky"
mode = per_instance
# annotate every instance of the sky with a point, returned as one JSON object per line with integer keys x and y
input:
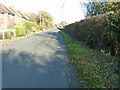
{"x": 70, "y": 12}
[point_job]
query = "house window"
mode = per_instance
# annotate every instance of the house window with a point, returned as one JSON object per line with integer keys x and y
{"x": 11, "y": 17}
{"x": 1, "y": 15}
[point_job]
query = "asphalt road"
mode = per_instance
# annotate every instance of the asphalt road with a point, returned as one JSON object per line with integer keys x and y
{"x": 39, "y": 61}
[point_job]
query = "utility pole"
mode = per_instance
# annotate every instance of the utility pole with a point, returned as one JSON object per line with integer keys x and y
{"x": 62, "y": 13}
{"x": 62, "y": 10}
{"x": 40, "y": 20}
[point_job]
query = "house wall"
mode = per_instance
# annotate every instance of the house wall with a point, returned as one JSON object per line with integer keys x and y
{"x": 1, "y": 19}
{"x": 5, "y": 21}
{"x": 17, "y": 20}
{"x": 23, "y": 20}
{"x": 10, "y": 21}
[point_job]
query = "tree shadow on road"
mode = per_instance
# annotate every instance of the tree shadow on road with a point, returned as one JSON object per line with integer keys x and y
{"x": 21, "y": 70}
{"x": 24, "y": 69}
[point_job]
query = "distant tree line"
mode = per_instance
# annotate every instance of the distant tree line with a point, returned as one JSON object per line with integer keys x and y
{"x": 43, "y": 19}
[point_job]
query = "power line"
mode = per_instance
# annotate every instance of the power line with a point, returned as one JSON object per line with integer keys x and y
{"x": 63, "y": 4}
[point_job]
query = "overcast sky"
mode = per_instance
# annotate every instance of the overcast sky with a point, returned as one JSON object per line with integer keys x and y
{"x": 71, "y": 11}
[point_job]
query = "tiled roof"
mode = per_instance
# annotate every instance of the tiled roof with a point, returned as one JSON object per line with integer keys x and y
{"x": 12, "y": 11}
{"x": 4, "y": 9}
{"x": 21, "y": 14}
{"x": 27, "y": 17}
{"x": 15, "y": 11}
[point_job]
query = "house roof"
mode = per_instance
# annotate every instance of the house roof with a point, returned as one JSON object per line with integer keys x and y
{"x": 15, "y": 12}
{"x": 12, "y": 11}
{"x": 4, "y": 9}
{"x": 27, "y": 17}
{"x": 21, "y": 14}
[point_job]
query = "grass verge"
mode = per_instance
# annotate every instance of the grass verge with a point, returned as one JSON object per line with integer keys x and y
{"x": 93, "y": 69}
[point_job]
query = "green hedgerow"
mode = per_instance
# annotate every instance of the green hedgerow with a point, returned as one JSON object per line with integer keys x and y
{"x": 20, "y": 30}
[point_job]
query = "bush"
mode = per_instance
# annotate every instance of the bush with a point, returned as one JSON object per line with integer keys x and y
{"x": 20, "y": 30}
{"x": 30, "y": 25}
{"x": 97, "y": 32}
{"x": 7, "y": 36}
{"x": 27, "y": 27}
{"x": 39, "y": 28}
{"x": 11, "y": 34}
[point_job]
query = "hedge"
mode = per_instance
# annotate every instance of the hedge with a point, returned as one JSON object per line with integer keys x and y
{"x": 20, "y": 30}
{"x": 100, "y": 32}
{"x": 26, "y": 28}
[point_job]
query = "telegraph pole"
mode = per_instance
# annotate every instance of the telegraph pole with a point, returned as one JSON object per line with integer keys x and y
{"x": 62, "y": 10}
{"x": 40, "y": 19}
{"x": 62, "y": 13}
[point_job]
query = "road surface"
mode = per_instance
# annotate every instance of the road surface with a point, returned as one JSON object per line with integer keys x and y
{"x": 39, "y": 61}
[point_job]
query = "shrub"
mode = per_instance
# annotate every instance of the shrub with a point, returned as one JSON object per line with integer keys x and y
{"x": 30, "y": 25}
{"x": 20, "y": 30}
{"x": 97, "y": 32}
{"x": 11, "y": 34}
{"x": 7, "y": 36}
{"x": 39, "y": 28}
{"x": 27, "y": 27}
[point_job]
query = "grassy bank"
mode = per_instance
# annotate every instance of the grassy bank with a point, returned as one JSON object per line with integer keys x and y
{"x": 93, "y": 68}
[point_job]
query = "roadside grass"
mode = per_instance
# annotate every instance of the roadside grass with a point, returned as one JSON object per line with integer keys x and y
{"x": 93, "y": 69}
